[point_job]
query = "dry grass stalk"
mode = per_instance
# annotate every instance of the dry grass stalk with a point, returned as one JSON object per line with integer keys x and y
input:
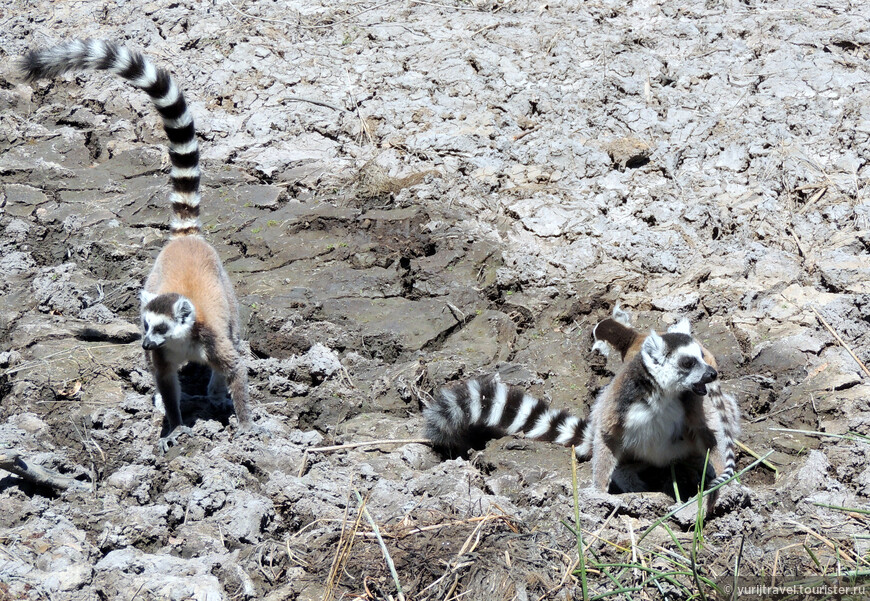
{"x": 813, "y": 199}
{"x": 638, "y": 577}
{"x": 840, "y": 340}
{"x": 764, "y": 462}
{"x": 390, "y": 565}
{"x": 405, "y": 531}
{"x": 845, "y": 556}
{"x": 342, "y": 552}
{"x": 774, "y": 572}
{"x": 597, "y": 535}
{"x": 456, "y": 564}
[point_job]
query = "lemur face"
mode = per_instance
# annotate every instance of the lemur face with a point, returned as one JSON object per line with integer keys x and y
{"x": 165, "y": 318}
{"x": 676, "y": 362}
{"x": 692, "y": 372}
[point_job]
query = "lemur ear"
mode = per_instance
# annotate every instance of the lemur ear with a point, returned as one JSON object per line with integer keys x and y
{"x": 146, "y": 297}
{"x": 183, "y": 310}
{"x": 621, "y": 315}
{"x": 681, "y": 327}
{"x": 654, "y": 347}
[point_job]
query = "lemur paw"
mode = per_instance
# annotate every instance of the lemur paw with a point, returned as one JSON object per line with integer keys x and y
{"x": 171, "y": 439}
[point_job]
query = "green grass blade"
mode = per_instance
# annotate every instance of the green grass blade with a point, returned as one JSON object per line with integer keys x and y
{"x": 579, "y": 531}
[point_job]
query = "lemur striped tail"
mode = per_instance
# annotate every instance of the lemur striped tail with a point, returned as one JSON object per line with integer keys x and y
{"x": 461, "y": 410}
{"x": 167, "y": 99}
{"x": 729, "y": 417}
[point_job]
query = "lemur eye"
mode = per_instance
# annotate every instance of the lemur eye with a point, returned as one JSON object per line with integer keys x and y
{"x": 687, "y": 362}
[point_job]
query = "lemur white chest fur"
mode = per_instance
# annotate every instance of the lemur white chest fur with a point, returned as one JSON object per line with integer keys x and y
{"x": 654, "y": 431}
{"x": 189, "y": 310}
{"x": 653, "y": 411}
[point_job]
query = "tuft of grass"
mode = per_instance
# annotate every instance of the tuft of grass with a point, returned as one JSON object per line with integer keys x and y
{"x": 706, "y": 493}
{"x": 698, "y": 532}
{"x": 577, "y": 530}
{"x": 674, "y": 571}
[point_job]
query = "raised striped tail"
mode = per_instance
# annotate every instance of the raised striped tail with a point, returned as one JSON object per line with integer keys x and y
{"x": 167, "y": 99}
{"x": 487, "y": 408}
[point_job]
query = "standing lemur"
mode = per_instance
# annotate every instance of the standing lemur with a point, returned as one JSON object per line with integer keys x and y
{"x": 189, "y": 311}
{"x": 663, "y": 406}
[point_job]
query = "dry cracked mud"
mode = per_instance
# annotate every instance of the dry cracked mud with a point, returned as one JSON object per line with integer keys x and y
{"x": 406, "y": 193}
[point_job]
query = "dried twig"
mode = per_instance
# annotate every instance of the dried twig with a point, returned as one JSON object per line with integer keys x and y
{"x": 317, "y": 102}
{"x": 44, "y": 361}
{"x": 368, "y": 443}
{"x": 11, "y": 461}
{"x": 840, "y": 340}
{"x": 447, "y": 6}
{"x": 458, "y": 315}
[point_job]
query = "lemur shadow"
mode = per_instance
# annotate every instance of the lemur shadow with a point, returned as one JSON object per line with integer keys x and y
{"x": 627, "y": 477}
{"x": 686, "y": 475}
{"x": 195, "y": 402}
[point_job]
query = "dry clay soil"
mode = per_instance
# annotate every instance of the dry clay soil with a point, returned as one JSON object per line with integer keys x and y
{"x": 410, "y": 192}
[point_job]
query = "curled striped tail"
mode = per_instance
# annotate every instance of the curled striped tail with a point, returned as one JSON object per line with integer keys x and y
{"x": 460, "y": 413}
{"x": 79, "y": 55}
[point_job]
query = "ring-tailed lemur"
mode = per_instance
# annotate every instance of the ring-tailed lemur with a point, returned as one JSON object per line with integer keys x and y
{"x": 189, "y": 311}
{"x": 652, "y": 412}
{"x": 719, "y": 410}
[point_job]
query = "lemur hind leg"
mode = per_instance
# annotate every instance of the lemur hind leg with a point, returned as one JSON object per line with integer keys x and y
{"x": 603, "y": 463}
{"x": 217, "y": 387}
{"x": 228, "y": 362}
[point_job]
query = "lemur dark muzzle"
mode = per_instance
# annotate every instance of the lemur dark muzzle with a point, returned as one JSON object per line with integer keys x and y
{"x": 700, "y": 387}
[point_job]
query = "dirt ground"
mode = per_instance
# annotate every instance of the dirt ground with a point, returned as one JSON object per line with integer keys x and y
{"x": 406, "y": 193}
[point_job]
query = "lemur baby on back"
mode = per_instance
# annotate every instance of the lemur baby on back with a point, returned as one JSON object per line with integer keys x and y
{"x": 188, "y": 308}
{"x": 651, "y": 413}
